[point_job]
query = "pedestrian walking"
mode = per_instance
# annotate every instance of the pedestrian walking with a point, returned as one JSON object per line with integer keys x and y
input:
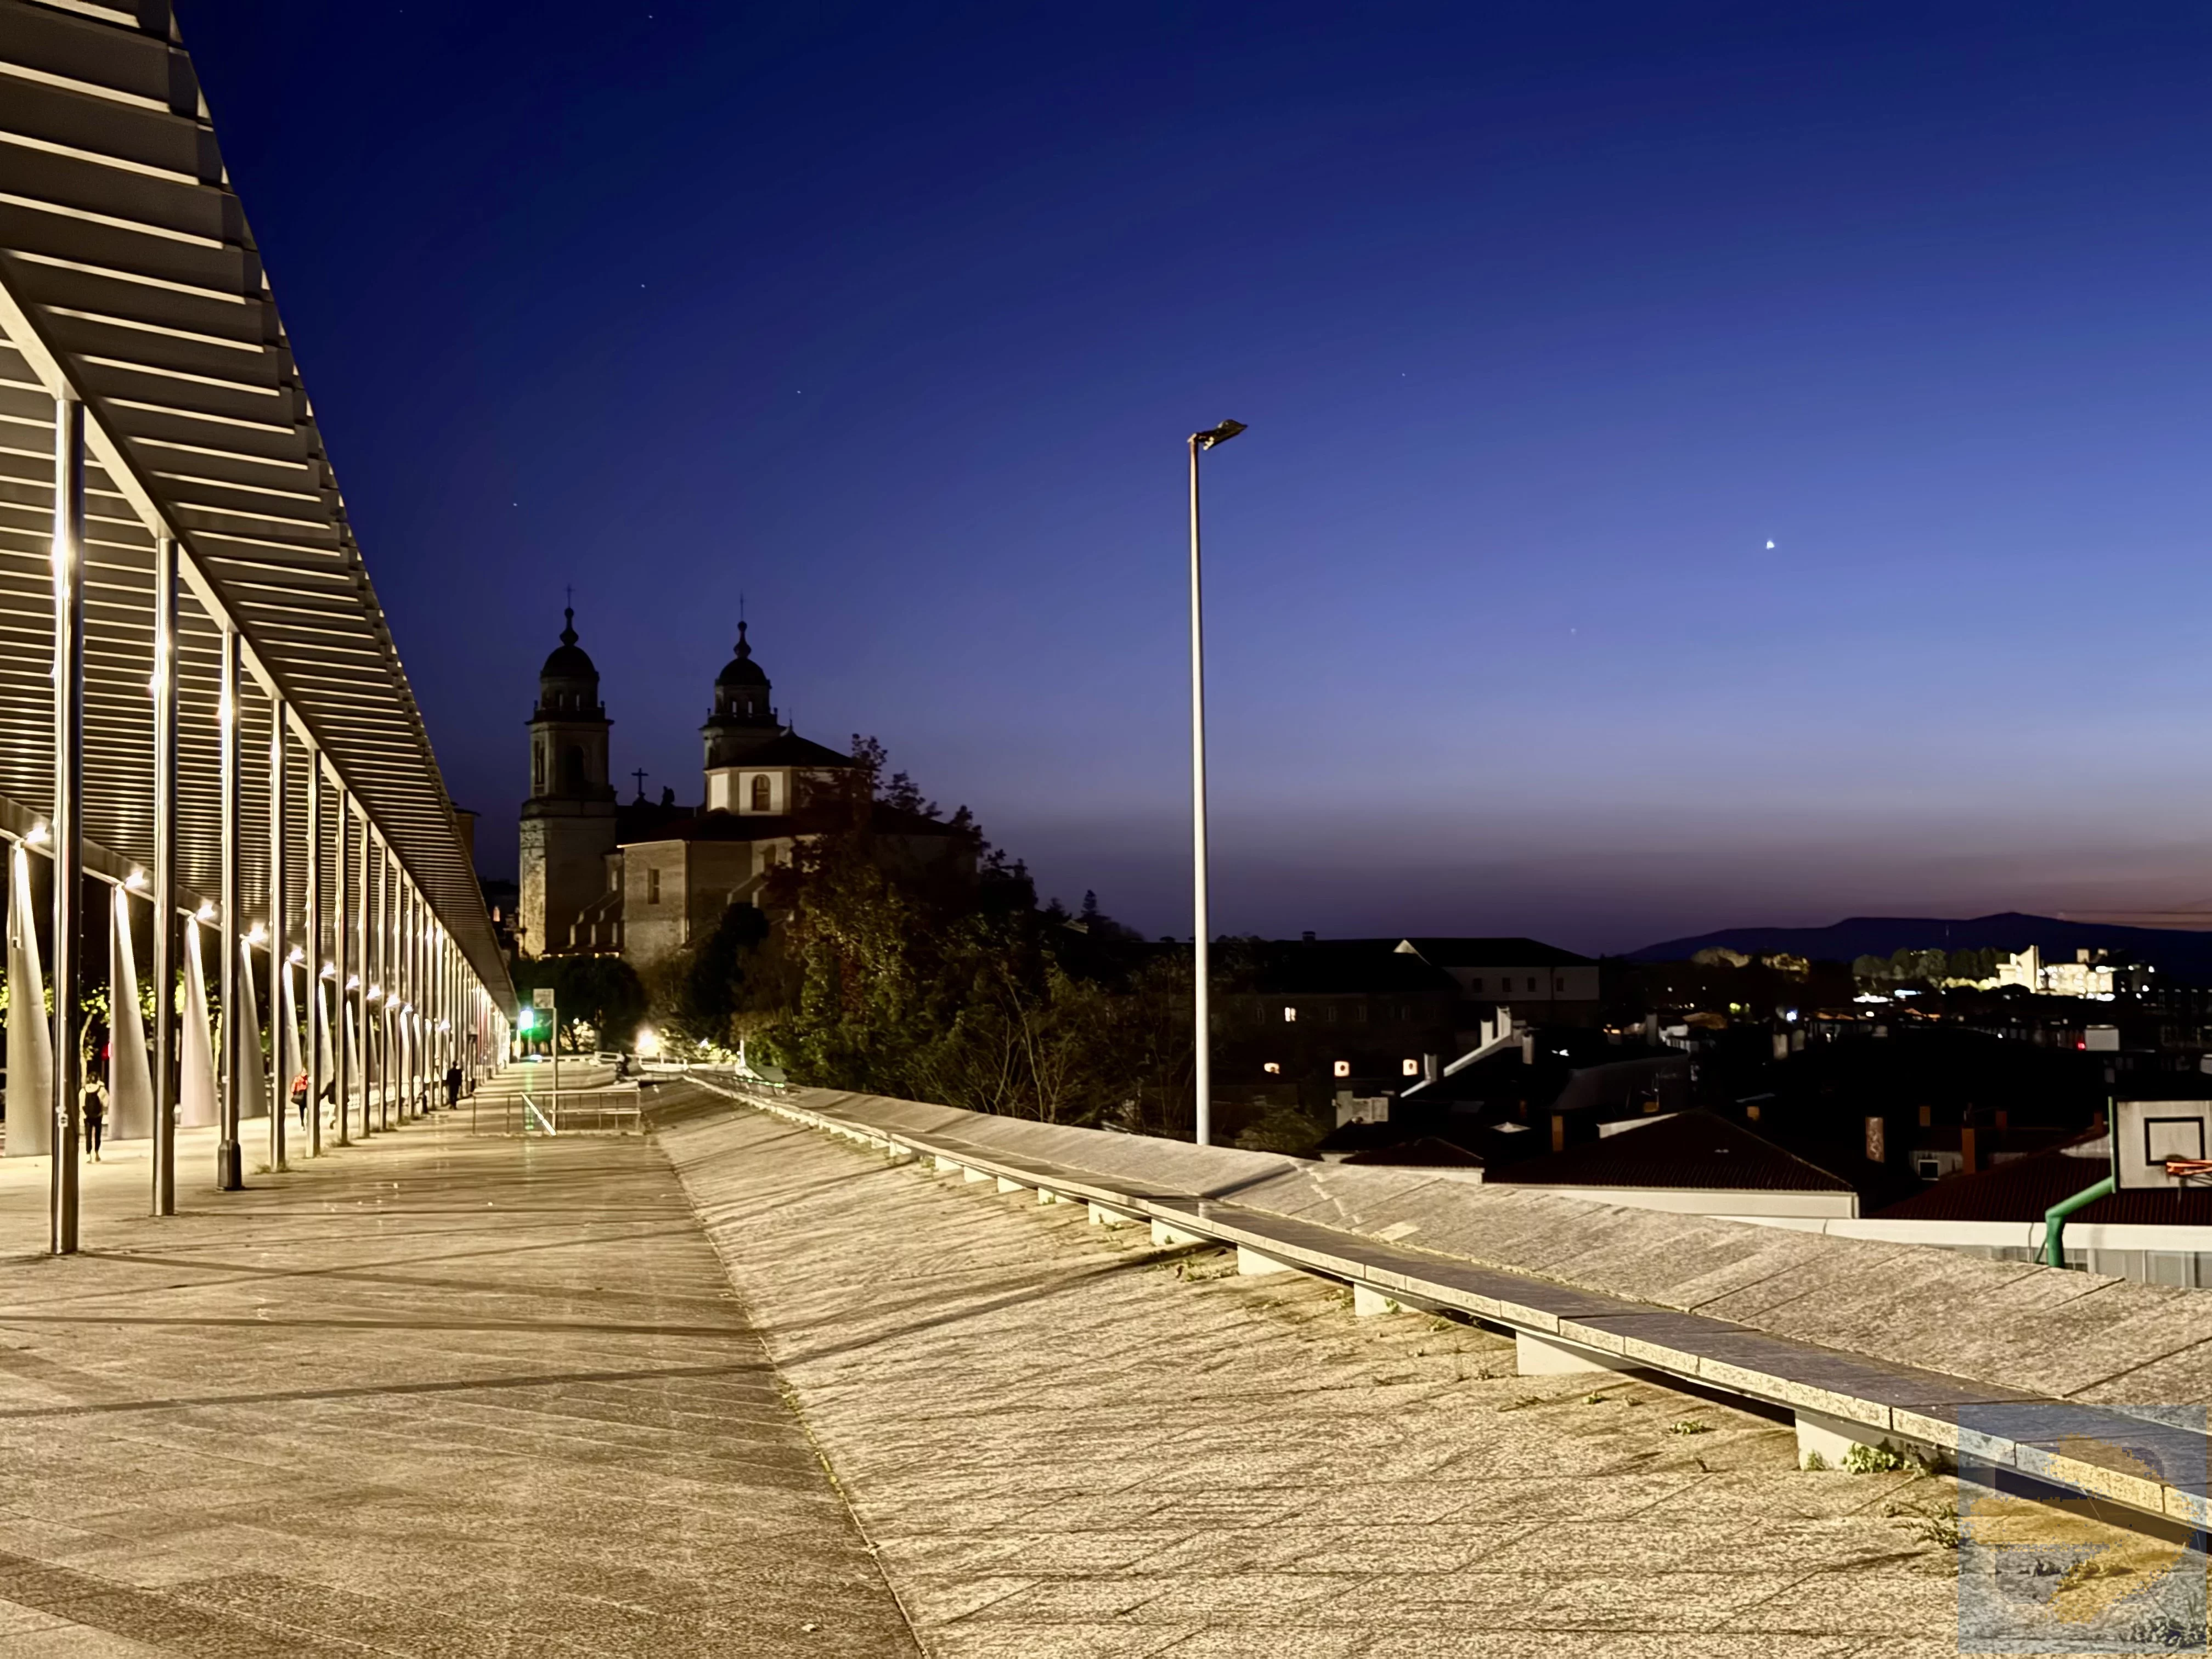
{"x": 95, "y": 1115}
{"x": 452, "y": 1087}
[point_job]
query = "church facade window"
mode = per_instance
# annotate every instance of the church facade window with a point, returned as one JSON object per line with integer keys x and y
{"x": 572, "y": 770}
{"x": 760, "y": 792}
{"x": 652, "y": 887}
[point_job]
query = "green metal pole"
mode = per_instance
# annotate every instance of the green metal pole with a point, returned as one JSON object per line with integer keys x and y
{"x": 2054, "y": 1220}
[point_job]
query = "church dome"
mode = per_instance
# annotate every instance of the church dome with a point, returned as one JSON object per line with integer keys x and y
{"x": 569, "y": 660}
{"x": 742, "y": 669}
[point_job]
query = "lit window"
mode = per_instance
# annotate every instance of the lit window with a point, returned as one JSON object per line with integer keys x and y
{"x": 1273, "y": 1069}
{"x": 1409, "y": 1067}
{"x": 1290, "y": 1016}
{"x": 1342, "y": 1068}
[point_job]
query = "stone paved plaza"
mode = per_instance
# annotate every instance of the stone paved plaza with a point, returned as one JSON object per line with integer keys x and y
{"x": 456, "y": 1395}
{"x": 435, "y": 1395}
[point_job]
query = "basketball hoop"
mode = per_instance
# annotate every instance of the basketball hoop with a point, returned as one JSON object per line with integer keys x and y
{"x": 2186, "y": 1169}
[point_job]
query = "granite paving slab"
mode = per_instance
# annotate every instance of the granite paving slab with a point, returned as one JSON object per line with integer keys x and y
{"x": 436, "y": 1394}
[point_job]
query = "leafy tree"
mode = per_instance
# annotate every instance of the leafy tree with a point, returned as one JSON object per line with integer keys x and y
{"x": 908, "y": 957}
{"x": 1283, "y": 1129}
{"x": 598, "y": 999}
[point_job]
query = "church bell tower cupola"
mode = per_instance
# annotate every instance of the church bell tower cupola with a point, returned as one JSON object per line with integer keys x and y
{"x": 568, "y": 728}
{"x": 743, "y": 718}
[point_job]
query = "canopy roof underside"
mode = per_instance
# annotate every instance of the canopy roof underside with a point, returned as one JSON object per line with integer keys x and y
{"x": 128, "y": 275}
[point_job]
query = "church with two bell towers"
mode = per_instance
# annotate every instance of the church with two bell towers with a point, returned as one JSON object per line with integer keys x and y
{"x": 639, "y": 879}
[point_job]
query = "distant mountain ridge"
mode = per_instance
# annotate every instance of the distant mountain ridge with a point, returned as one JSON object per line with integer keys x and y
{"x": 2168, "y": 949}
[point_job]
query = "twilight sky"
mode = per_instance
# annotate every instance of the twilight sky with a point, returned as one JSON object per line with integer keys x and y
{"x": 1546, "y": 318}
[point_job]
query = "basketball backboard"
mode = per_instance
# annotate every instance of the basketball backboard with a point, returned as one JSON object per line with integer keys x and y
{"x": 2147, "y": 1133}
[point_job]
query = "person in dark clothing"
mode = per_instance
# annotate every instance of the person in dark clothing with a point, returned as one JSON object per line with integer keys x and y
{"x": 452, "y": 1087}
{"x": 95, "y": 1118}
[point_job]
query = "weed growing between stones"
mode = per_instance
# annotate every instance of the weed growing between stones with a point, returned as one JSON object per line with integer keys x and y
{"x": 1689, "y": 1425}
{"x": 1930, "y": 1523}
{"x": 1887, "y": 1459}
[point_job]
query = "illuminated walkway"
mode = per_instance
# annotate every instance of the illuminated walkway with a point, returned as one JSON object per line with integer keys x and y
{"x": 446, "y": 1396}
{"x": 435, "y": 1395}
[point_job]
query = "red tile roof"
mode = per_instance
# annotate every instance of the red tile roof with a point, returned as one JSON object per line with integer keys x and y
{"x": 2022, "y": 1188}
{"x": 1689, "y": 1150}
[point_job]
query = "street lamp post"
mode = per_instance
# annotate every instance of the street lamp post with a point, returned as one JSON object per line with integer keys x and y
{"x": 1202, "y": 1034}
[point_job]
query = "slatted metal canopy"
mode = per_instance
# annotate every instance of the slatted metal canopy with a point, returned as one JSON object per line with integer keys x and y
{"x": 129, "y": 280}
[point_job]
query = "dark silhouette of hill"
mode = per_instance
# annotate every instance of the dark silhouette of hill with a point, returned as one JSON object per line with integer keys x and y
{"x": 2185, "y": 956}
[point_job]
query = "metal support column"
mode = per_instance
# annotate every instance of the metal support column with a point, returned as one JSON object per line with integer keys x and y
{"x": 67, "y": 825}
{"x": 312, "y": 974}
{"x": 164, "y": 1194}
{"x": 280, "y": 970}
{"x": 384, "y": 1001}
{"x": 411, "y": 942}
{"x": 364, "y": 970}
{"x": 342, "y": 961}
{"x": 229, "y": 1173}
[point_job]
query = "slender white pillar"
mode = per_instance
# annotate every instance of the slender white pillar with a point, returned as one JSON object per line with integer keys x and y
{"x": 280, "y": 1050}
{"x": 229, "y": 1172}
{"x": 67, "y": 823}
{"x": 30, "y": 1039}
{"x": 312, "y": 977}
{"x": 129, "y": 1076}
{"x": 163, "y": 1197}
{"x": 344, "y": 965}
{"x": 197, "y": 1092}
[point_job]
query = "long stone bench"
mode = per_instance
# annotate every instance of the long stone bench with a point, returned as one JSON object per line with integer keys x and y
{"x": 1355, "y": 1226}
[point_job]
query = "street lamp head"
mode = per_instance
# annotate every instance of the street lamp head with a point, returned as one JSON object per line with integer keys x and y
{"x": 1219, "y": 434}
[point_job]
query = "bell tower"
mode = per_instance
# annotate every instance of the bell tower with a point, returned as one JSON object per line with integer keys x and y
{"x": 568, "y": 822}
{"x": 744, "y": 718}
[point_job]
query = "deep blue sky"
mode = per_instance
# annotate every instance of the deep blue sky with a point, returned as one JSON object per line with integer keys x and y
{"x": 1546, "y": 318}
